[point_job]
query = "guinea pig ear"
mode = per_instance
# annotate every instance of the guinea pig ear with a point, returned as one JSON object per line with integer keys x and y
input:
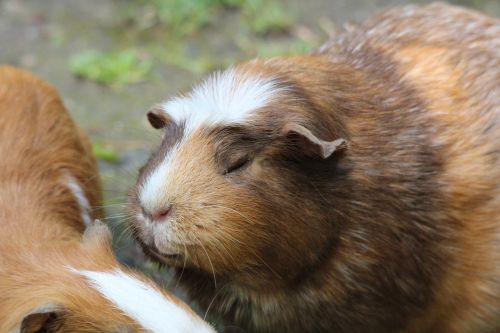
{"x": 97, "y": 233}
{"x": 310, "y": 143}
{"x": 157, "y": 117}
{"x": 39, "y": 319}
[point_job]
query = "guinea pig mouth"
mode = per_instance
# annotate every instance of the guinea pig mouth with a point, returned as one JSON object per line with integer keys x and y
{"x": 154, "y": 254}
{"x": 162, "y": 257}
{"x": 168, "y": 259}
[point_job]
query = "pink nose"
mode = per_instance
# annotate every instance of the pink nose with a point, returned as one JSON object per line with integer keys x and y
{"x": 159, "y": 214}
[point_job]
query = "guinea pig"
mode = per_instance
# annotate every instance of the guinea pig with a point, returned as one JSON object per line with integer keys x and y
{"x": 57, "y": 270}
{"x": 353, "y": 189}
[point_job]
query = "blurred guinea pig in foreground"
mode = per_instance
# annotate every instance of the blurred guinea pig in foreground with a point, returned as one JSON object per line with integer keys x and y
{"x": 57, "y": 270}
{"x": 354, "y": 189}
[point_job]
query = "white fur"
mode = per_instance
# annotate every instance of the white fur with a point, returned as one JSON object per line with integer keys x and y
{"x": 151, "y": 309}
{"x": 79, "y": 194}
{"x": 224, "y": 98}
{"x": 152, "y": 192}
{"x": 228, "y": 97}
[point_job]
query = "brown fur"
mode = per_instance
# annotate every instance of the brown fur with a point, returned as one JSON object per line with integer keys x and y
{"x": 40, "y": 225}
{"x": 397, "y": 233}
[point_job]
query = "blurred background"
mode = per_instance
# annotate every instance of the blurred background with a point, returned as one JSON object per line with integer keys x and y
{"x": 113, "y": 59}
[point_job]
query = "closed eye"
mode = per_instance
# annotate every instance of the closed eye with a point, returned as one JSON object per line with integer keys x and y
{"x": 239, "y": 164}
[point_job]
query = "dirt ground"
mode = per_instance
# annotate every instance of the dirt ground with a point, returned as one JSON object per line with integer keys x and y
{"x": 43, "y": 35}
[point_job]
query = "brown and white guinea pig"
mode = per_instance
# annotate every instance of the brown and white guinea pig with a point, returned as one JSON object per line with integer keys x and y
{"x": 57, "y": 270}
{"x": 354, "y": 189}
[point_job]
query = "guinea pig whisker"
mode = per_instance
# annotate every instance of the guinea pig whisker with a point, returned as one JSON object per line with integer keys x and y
{"x": 121, "y": 236}
{"x": 249, "y": 248}
{"x": 233, "y": 210}
{"x": 87, "y": 180}
{"x": 241, "y": 214}
{"x": 117, "y": 195}
{"x": 217, "y": 293}
{"x": 226, "y": 234}
{"x": 121, "y": 205}
{"x": 117, "y": 216}
{"x": 209, "y": 260}
{"x": 126, "y": 220}
{"x": 126, "y": 232}
{"x": 183, "y": 267}
{"x": 221, "y": 250}
{"x": 192, "y": 205}
{"x": 119, "y": 175}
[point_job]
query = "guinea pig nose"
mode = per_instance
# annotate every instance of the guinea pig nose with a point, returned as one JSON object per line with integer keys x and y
{"x": 161, "y": 214}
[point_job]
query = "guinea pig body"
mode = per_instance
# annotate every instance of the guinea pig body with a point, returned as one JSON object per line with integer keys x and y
{"x": 355, "y": 189}
{"x": 57, "y": 270}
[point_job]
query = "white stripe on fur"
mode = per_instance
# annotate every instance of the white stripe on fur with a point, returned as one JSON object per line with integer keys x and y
{"x": 151, "y": 309}
{"x": 79, "y": 194}
{"x": 152, "y": 192}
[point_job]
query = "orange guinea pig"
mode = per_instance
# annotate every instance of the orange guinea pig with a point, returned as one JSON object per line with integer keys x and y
{"x": 57, "y": 270}
{"x": 353, "y": 189}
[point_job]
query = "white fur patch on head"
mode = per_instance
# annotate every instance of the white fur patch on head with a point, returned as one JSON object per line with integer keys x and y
{"x": 79, "y": 194}
{"x": 150, "y": 308}
{"x": 226, "y": 97}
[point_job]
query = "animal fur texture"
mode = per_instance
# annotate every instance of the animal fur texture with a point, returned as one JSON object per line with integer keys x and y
{"x": 57, "y": 270}
{"x": 353, "y": 189}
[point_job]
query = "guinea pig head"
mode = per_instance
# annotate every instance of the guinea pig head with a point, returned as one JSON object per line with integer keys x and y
{"x": 234, "y": 186}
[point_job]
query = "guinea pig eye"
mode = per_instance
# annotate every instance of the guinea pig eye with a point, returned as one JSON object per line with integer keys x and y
{"x": 237, "y": 165}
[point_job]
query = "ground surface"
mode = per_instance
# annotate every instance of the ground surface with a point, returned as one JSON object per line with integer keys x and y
{"x": 49, "y": 36}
